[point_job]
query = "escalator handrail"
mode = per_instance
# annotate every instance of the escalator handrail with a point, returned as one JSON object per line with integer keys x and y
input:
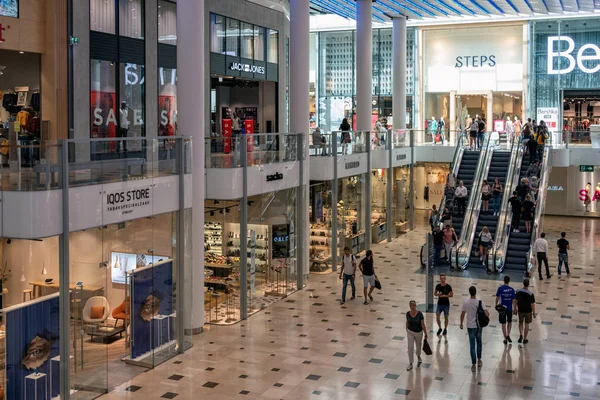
{"x": 474, "y": 199}
{"x": 503, "y": 228}
{"x": 455, "y": 166}
{"x": 540, "y": 205}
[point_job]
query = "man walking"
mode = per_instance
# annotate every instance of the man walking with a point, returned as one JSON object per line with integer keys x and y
{"x": 470, "y": 308}
{"x": 449, "y": 239}
{"x": 526, "y": 309}
{"x": 443, "y": 291}
{"x": 506, "y": 299}
{"x": 368, "y": 270}
{"x": 348, "y": 273}
{"x": 563, "y": 256}
{"x": 540, "y": 248}
{"x": 461, "y": 197}
{"x": 438, "y": 245}
{"x": 515, "y": 205}
{"x": 480, "y": 133}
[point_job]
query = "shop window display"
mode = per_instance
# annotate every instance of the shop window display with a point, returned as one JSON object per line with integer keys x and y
{"x": 167, "y": 101}
{"x": 379, "y": 225}
{"x": 351, "y": 210}
{"x": 430, "y": 179}
{"x": 401, "y": 199}
{"x": 271, "y": 262}
{"x": 320, "y": 242}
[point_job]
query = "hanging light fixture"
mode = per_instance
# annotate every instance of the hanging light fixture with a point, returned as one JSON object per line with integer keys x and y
{"x": 44, "y": 271}
{"x": 23, "y": 276}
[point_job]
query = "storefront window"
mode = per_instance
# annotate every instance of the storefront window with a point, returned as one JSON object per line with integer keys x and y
{"x": 259, "y": 43}
{"x": 167, "y": 22}
{"x": 131, "y": 18}
{"x": 103, "y": 99}
{"x": 351, "y": 210}
{"x": 401, "y": 200}
{"x": 247, "y": 40}
{"x": 232, "y": 40}
{"x": 102, "y": 16}
{"x": 320, "y": 239}
{"x": 430, "y": 179}
{"x": 132, "y": 100}
{"x": 217, "y": 34}
{"x": 273, "y": 46}
{"x": 167, "y": 101}
{"x": 379, "y": 205}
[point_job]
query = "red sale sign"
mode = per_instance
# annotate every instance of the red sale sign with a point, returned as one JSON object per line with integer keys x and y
{"x": 227, "y": 131}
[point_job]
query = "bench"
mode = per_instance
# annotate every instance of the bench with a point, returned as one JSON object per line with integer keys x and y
{"x": 51, "y": 170}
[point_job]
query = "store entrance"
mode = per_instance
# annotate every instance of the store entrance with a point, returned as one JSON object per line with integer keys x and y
{"x": 581, "y": 108}
{"x": 252, "y": 106}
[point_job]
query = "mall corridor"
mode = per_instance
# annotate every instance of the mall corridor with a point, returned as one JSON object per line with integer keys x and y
{"x": 308, "y": 346}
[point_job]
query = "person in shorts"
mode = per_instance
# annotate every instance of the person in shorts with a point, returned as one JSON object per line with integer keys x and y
{"x": 506, "y": 304}
{"x": 368, "y": 271}
{"x": 525, "y": 309}
{"x": 443, "y": 291}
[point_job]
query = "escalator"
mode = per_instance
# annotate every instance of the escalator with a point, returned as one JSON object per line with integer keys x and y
{"x": 518, "y": 242}
{"x": 498, "y": 169}
{"x": 466, "y": 173}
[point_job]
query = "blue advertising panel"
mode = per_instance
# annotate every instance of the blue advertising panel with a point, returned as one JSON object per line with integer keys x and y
{"x": 9, "y": 8}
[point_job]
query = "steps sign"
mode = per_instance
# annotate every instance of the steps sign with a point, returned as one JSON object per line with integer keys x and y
{"x": 586, "y": 168}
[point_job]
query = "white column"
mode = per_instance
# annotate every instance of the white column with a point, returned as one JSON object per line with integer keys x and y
{"x": 191, "y": 93}
{"x": 364, "y": 64}
{"x": 489, "y": 115}
{"x": 399, "y": 72}
{"x": 452, "y": 122}
{"x": 299, "y": 99}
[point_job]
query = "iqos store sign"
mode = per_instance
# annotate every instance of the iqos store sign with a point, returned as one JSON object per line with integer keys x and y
{"x": 587, "y": 58}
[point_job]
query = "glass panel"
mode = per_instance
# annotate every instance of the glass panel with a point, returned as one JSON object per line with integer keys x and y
{"x": 273, "y": 46}
{"x": 217, "y": 34}
{"x": 103, "y": 107}
{"x": 167, "y": 101}
{"x": 131, "y": 107}
{"x": 351, "y": 213}
{"x": 320, "y": 240}
{"x": 379, "y": 205}
{"x": 102, "y": 16}
{"x": 232, "y": 37}
{"x": 167, "y": 22}
{"x": 131, "y": 18}
{"x": 401, "y": 199}
{"x": 247, "y": 40}
{"x": 259, "y": 43}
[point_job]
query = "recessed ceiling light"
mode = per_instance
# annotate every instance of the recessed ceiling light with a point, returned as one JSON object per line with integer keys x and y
{"x": 21, "y": 52}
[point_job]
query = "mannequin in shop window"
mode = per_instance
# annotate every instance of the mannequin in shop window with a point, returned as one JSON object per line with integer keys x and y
{"x": 123, "y": 126}
{"x": 588, "y": 199}
{"x": 517, "y": 126}
{"x": 597, "y": 196}
{"x": 433, "y": 126}
{"x": 442, "y": 129}
{"x": 509, "y": 129}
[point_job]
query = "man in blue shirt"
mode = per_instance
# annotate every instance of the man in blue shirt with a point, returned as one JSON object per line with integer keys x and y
{"x": 506, "y": 305}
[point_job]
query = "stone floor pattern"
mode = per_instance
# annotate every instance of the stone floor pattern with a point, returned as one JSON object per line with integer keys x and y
{"x": 308, "y": 346}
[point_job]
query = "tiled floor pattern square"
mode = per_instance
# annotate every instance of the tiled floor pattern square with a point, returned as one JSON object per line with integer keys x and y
{"x": 324, "y": 351}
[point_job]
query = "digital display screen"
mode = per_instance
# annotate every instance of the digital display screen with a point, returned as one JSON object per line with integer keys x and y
{"x": 121, "y": 263}
{"x": 9, "y": 8}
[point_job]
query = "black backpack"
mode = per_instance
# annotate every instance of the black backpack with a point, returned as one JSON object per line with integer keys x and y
{"x": 482, "y": 319}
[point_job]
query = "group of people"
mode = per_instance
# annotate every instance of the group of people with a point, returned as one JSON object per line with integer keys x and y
{"x": 508, "y": 302}
{"x": 534, "y": 138}
{"x": 348, "y": 274}
{"x": 540, "y": 248}
{"x": 523, "y": 199}
{"x": 476, "y": 133}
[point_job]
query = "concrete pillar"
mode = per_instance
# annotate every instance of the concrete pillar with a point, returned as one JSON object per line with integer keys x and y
{"x": 364, "y": 64}
{"x": 299, "y": 110}
{"x": 399, "y": 72}
{"x": 191, "y": 20}
{"x": 452, "y": 122}
{"x": 489, "y": 114}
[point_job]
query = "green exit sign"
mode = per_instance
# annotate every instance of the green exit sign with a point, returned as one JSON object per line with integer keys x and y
{"x": 586, "y": 168}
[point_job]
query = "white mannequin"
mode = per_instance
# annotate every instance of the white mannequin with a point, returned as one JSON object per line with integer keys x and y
{"x": 510, "y": 129}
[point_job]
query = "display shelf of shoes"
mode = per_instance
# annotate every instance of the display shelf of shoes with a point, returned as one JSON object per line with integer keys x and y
{"x": 213, "y": 236}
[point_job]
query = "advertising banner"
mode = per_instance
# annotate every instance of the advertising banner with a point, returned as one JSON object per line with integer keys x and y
{"x": 499, "y": 125}
{"x": 227, "y": 132}
{"x": 32, "y": 333}
{"x": 103, "y": 114}
{"x": 166, "y": 114}
{"x": 281, "y": 241}
{"x": 550, "y": 116}
{"x": 152, "y": 308}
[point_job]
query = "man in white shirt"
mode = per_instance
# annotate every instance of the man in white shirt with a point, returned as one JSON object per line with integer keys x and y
{"x": 461, "y": 197}
{"x": 123, "y": 126}
{"x": 540, "y": 248}
{"x": 348, "y": 273}
{"x": 469, "y": 309}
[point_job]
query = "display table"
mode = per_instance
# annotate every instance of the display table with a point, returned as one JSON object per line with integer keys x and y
{"x": 104, "y": 331}
{"x": 319, "y": 265}
{"x": 39, "y": 285}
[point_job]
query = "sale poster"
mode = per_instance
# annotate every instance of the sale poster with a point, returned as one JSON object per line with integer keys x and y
{"x": 166, "y": 116}
{"x": 227, "y": 131}
{"x": 103, "y": 114}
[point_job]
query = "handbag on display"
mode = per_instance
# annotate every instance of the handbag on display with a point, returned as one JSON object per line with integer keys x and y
{"x": 427, "y": 348}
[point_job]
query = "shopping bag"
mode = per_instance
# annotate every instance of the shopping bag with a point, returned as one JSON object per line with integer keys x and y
{"x": 427, "y": 348}
{"x": 377, "y": 284}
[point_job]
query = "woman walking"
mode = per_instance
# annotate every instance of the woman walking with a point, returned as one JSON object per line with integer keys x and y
{"x": 497, "y": 195}
{"x": 485, "y": 242}
{"x": 486, "y": 195}
{"x": 415, "y": 328}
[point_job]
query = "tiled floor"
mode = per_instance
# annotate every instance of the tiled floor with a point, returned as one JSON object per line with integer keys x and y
{"x": 308, "y": 346}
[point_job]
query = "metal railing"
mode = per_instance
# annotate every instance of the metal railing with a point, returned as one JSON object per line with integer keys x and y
{"x": 339, "y": 142}
{"x": 540, "y": 205}
{"x": 503, "y": 230}
{"x": 462, "y": 250}
{"x": 261, "y": 148}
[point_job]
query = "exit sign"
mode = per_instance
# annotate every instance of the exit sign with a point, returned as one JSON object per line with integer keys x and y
{"x": 586, "y": 168}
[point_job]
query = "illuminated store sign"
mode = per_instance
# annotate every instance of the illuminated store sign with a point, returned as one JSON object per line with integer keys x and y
{"x": 247, "y": 68}
{"x": 588, "y": 52}
{"x": 556, "y": 189}
{"x": 475, "y": 61}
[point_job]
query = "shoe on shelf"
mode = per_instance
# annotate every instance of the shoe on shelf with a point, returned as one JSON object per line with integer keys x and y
{"x": 439, "y": 332}
{"x": 409, "y": 367}
{"x": 480, "y": 363}
{"x": 509, "y": 339}
{"x": 520, "y": 339}
{"x": 445, "y": 332}
{"x": 473, "y": 368}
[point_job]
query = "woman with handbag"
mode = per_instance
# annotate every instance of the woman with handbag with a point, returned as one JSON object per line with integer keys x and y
{"x": 415, "y": 328}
